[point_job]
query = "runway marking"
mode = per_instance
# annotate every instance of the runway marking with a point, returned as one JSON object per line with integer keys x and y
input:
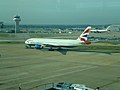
{"x": 5, "y": 81}
{"x": 51, "y": 76}
{"x": 62, "y": 74}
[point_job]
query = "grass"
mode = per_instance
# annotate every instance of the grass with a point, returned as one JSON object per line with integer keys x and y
{"x": 34, "y": 35}
{"x": 108, "y": 42}
{"x": 4, "y": 35}
{"x": 95, "y": 47}
{"x": 12, "y": 42}
{"x": 101, "y": 48}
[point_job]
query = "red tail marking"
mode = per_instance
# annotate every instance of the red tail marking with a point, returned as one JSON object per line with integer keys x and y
{"x": 87, "y": 42}
{"x": 87, "y": 31}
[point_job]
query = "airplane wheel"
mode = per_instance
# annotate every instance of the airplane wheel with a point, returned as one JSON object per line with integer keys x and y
{"x": 51, "y": 49}
{"x": 27, "y": 46}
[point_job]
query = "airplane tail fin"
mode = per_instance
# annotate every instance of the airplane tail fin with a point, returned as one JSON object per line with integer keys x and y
{"x": 107, "y": 29}
{"x": 83, "y": 37}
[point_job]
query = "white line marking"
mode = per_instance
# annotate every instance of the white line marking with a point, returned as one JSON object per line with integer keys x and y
{"x": 54, "y": 76}
{"x": 61, "y": 74}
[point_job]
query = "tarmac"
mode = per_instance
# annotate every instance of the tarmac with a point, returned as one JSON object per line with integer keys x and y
{"x": 29, "y": 68}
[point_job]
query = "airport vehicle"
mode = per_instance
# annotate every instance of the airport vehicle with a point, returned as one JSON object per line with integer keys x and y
{"x": 40, "y": 43}
{"x": 100, "y": 31}
{"x": 69, "y": 86}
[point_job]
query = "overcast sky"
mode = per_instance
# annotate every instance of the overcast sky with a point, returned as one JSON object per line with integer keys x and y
{"x": 61, "y": 11}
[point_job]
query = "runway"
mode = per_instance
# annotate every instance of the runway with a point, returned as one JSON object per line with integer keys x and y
{"x": 32, "y": 67}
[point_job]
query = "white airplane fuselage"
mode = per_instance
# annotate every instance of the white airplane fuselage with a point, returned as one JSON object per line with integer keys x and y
{"x": 54, "y": 42}
{"x": 100, "y": 31}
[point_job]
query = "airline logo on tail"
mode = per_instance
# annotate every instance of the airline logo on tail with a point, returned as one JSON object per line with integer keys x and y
{"x": 83, "y": 37}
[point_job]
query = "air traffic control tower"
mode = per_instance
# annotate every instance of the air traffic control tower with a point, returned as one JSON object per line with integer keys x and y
{"x": 17, "y": 20}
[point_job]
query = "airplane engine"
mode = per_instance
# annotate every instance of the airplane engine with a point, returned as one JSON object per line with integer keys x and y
{"x": 39, "y": 46}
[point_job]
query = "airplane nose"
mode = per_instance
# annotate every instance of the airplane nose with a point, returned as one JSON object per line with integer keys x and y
{"x": 26, "y": 42}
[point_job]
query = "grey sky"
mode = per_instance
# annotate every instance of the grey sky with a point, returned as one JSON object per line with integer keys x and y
{"x": 61, "y": 11}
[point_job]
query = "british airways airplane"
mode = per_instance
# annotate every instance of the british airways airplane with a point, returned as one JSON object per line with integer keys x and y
{"x": 40, "y": 43}
{"x": 100, "y": 31}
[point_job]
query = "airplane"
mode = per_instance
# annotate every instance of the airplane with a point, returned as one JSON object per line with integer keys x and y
{"x": 100, "y": 31}
{"x": 40, "y": 43}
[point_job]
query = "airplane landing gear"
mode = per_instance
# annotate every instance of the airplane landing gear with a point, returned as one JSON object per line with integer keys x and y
{"x": 51, "y": 49}
{"x": 28, "y": 46}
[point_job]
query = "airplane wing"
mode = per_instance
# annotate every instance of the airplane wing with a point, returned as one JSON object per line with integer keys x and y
{"x": 51, "y": 44}
{"x": 56, "y": 45}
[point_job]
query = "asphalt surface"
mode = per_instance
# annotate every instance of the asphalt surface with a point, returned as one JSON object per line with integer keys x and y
{"x": 29, "y": 68}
